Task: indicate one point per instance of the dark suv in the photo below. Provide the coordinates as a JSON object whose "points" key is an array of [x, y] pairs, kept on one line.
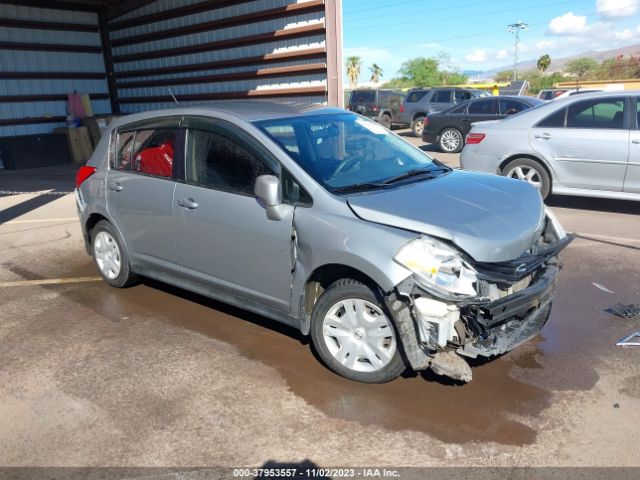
{"points": [[422, 101], [383, 106]]}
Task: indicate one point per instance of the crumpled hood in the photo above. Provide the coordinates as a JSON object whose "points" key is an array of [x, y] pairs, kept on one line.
{"points": [[492, 218]]}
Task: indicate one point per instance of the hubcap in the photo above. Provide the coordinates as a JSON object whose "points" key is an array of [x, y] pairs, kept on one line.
{"points": [[418, 127], [528, 174], [449, 141], [107, 255], [359, 335]]}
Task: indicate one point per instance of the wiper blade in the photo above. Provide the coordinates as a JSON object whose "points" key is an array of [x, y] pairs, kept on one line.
{"points": [[358, 186], [414, 173]]}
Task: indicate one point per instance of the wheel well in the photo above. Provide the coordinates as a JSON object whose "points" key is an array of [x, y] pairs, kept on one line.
{"points": [[418, 114], [93, 219], [530, 157], [322, 277]]}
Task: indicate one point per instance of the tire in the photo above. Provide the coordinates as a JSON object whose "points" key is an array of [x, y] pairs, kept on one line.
{"points": [[451, 140], [385, 121], [359, 339], [110, 256], [416, 127], [531, 171]]}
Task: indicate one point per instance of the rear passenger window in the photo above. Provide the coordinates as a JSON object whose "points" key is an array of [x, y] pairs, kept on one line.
{"points": [[608, 113], [461, 96], [124, 150], [215, 161], [483, 107], [509, 107], [154, 152], [415, 96], [442, 96], [555, 120]]}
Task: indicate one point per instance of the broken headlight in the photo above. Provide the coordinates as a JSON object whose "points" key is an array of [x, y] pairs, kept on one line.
{"points": [[438, 267]]}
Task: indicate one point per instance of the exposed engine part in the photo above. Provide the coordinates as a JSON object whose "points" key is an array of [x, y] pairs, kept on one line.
{"points": [[450, 364], [624, 311], [436, 321]]}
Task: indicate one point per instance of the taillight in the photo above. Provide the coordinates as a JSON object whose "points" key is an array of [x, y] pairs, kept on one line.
{"points": [[84, 173], [425, 122], [475, 138], [401, 107], [348, 107], [374, 108]]}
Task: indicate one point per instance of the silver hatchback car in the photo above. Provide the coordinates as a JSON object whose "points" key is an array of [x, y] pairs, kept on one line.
{"points": [[326, 221], [586, 145]]}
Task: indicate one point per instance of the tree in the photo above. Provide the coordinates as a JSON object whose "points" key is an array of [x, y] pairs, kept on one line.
{"points": [[503, 76], [420, 72], [376, 73], [353, 70], [581, 67], [543, 63], [444, 65]]}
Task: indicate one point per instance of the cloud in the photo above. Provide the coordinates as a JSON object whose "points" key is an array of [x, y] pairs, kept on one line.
{"points": [[501, 54], [545, 44], [478, 55], [568, 24], [616, 8]]}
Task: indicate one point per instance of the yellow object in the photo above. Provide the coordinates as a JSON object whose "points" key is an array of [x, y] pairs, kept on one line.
{"points": [[495, 91]]}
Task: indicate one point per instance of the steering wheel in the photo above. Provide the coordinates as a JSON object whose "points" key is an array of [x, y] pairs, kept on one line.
{"points": [[347, 165]]}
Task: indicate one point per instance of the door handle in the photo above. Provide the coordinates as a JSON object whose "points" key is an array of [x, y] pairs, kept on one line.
{"points": [[188, 203], [115, 186], [544, 136], [636, 141]]}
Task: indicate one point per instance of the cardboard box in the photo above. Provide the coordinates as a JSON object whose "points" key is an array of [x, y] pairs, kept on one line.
{"points": [[97, 126], [79, 141]]}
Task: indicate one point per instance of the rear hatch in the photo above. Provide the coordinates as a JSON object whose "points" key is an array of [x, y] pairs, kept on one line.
{"points": [[364, 102]]}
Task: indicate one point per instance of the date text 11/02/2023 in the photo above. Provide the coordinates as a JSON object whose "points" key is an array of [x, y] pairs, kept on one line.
{"points": [[335, 473]]}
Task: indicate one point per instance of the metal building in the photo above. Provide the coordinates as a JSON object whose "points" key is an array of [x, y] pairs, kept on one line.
{"points": [[133, 55]]}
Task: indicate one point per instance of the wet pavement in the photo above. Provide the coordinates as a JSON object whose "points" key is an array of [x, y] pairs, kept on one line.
{"points": [[154, 375]]}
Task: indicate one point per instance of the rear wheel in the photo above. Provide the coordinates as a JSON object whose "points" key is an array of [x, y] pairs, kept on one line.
{"points": [[110, 256], [451, 140], [417, 126], [385, 121], [530, 171], [354, 335]]}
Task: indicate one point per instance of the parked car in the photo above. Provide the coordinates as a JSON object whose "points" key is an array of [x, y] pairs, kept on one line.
{"points": [[585, 145], [316, 218], [419, 102], [447, 129], [550, 93], [383, 106], [578, 91]]}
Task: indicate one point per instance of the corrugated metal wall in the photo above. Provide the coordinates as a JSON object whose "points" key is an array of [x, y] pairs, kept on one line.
{"points": [[38, 66], [204, 50]]}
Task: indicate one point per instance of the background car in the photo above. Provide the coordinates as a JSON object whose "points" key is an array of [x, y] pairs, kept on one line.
{"points": [[448, 129], [550, 93], [383, 106], [578, 91], [586, 145], [422, 101]]}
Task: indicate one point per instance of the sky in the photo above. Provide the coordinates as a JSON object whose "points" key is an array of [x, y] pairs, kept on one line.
{"points": [[474, 33]]}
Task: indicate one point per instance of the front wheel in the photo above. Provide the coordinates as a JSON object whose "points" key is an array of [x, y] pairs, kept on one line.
{"points": [[451, 140], [354, 335], [530, 171]]}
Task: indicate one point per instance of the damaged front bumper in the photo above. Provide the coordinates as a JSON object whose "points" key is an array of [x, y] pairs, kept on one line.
{"points": [[513, 305]]}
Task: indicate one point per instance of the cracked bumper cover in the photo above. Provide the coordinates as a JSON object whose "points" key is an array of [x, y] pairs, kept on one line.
{"points": [[497, 327]]}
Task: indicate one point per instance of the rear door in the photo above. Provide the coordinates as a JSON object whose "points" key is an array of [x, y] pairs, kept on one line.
{"points": [[632, 178], [485, 108], [587, 143], [140, 188], [441, 100]]}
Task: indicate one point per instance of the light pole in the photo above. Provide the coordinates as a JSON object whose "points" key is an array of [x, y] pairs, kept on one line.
{"points": [[515, 29]]}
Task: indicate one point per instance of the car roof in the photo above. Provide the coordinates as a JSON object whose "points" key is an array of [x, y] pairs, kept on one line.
{"points": [[248, 110]]}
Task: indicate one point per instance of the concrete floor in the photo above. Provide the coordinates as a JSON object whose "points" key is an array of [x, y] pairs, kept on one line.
{"points": [[155, 376]]}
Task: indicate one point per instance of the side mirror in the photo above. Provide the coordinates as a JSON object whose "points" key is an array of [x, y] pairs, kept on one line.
{"points": [[269, 195]]}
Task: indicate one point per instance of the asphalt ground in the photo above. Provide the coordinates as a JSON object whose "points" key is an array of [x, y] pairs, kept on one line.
{"points": [[154, 376]]}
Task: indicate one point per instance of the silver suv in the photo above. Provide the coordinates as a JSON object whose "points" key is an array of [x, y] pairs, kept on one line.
{"points": [[326, 221]]}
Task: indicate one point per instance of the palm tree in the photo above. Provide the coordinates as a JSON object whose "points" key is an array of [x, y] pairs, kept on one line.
{"points": [[376, 73], [543, 63], [353, 70]]}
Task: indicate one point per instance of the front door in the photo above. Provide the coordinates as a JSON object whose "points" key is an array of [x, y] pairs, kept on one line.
{"points": [[224, 237], [587, 143], [140, 188]]}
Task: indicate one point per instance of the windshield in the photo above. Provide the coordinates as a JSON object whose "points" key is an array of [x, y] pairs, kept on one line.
{"points": [[346, 150]]}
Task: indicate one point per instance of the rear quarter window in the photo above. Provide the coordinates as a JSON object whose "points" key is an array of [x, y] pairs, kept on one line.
{"points": [[415, 96]]}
